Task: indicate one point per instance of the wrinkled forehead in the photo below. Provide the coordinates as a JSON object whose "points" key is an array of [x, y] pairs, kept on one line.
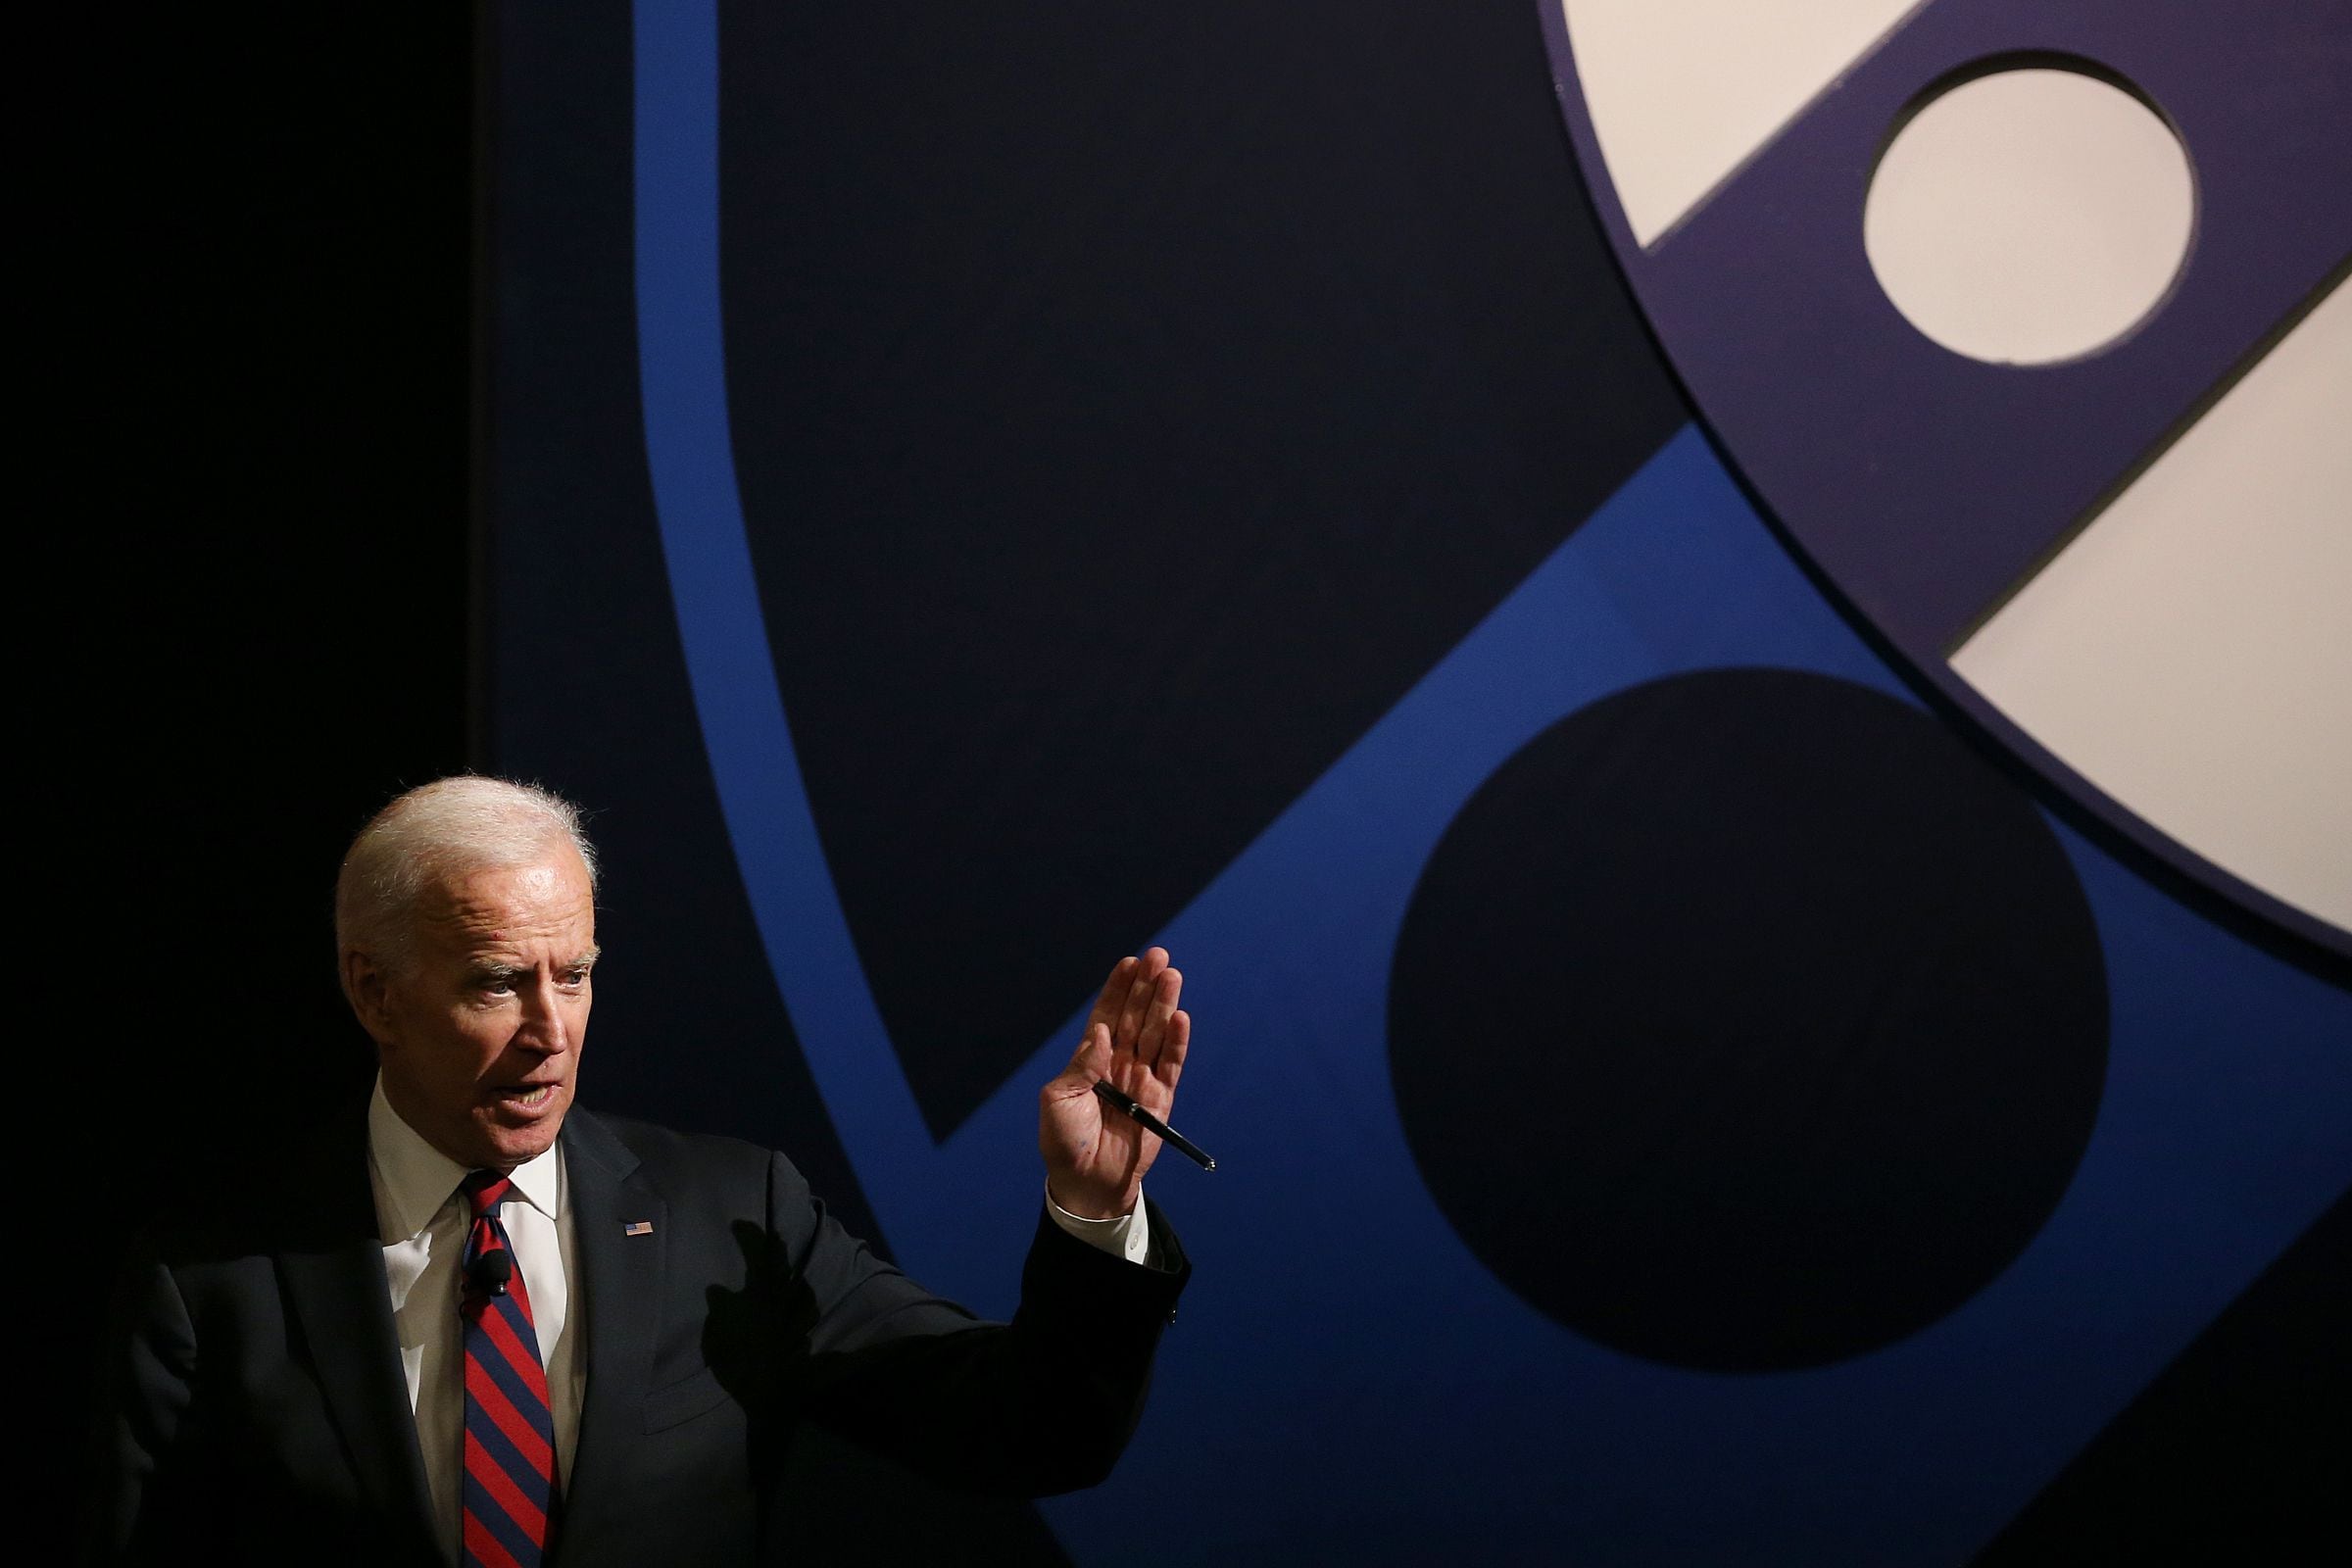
{"points": [[547, 898]]}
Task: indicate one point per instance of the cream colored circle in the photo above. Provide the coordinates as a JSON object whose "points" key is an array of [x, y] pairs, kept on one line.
{"points": [[2030, 216]]}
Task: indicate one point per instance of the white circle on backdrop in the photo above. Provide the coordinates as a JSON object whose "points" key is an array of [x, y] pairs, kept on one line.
{"points": [[2030, 216]]}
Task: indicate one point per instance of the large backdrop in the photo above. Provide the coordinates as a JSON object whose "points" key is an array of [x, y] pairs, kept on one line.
{"points": [[1701, 1072]]}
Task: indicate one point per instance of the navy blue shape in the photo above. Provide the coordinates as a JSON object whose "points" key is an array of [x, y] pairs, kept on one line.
{"points": [[1746, 1020]]}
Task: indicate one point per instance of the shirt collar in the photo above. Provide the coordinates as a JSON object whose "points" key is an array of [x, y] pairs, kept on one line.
{"points": [[414, 1179]]}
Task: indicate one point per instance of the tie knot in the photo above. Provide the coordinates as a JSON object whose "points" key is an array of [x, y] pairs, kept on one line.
{"points": [[485, 1190]]}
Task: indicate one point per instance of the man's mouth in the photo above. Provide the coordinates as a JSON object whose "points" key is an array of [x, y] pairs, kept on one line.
{"points": [[525, 1096]]}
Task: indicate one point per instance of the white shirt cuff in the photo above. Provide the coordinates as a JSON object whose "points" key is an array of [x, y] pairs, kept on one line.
{"points": [[1129, 1236]]}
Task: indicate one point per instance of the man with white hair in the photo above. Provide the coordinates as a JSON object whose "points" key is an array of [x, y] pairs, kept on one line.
{"points": [[483, 1326]]}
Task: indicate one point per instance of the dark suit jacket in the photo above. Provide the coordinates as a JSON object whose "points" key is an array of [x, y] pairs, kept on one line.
{"points": [[257, 1411]]}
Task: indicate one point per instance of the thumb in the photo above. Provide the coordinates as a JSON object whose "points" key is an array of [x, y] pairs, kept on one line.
{"points": [[1091, 1062]]}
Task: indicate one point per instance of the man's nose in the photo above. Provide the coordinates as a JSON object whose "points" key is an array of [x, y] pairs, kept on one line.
{"points": [[544, 1027]]}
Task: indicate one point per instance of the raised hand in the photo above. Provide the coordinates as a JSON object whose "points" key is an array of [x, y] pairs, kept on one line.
{"points": [[1136, 1038]]}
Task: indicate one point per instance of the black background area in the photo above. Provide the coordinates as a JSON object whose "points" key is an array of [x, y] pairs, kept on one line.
{"points": [[260, 618], [255, 611], [1130, 402], [1798, 1008]]}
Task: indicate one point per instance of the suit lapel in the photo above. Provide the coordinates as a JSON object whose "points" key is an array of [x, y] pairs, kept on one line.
{"points": [[623, 1275], [334, 1277]]}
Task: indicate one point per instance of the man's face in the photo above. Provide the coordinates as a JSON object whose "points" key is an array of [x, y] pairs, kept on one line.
{"points": [[479, 1032]]}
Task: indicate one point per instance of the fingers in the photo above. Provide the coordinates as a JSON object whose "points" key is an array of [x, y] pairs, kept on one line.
{"points": [[1168, 1066], [1152, 1039], [1114, 995], [1134, 1012], [1142, 980]]}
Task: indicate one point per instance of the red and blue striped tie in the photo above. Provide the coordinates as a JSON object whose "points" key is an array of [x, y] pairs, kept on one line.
{"points": [[510, 1489]]}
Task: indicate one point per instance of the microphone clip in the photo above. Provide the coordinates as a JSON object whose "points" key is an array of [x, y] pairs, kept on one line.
{"points": [[488, 1273]]}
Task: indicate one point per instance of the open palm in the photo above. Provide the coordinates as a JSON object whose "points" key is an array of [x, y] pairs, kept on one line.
{"points": [[1135, 1038]]}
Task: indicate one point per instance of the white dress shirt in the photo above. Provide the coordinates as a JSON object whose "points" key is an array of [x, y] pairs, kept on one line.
{"points": [[423, 1221]]}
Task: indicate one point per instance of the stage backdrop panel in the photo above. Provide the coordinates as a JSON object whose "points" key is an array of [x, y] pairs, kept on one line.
{"points": [[974, 491]]}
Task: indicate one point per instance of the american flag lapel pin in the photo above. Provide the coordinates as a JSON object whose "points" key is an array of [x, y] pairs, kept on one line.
{"points": [[638, 1227]]}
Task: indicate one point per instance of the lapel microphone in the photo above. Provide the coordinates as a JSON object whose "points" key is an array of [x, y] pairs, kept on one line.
{"points": [[489, 1272]]}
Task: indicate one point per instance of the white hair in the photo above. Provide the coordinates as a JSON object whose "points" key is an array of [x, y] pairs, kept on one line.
{"points": [[435, 831]]}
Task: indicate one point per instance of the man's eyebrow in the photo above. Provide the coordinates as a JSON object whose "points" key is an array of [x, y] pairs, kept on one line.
{"points": [[492, 969]]}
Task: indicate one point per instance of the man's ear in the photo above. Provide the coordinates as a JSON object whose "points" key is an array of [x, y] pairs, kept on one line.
{"points": [[368, 988]]}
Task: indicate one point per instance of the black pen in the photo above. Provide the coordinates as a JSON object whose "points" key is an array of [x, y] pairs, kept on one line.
{"points": [[1153, 1124]]}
